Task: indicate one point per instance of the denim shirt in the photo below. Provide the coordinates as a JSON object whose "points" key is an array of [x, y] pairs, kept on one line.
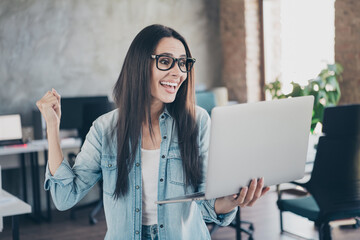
{"points": [[97, 159]]}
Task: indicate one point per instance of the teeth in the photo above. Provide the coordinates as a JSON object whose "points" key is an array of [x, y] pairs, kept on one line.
{"points": [[169, 84]]}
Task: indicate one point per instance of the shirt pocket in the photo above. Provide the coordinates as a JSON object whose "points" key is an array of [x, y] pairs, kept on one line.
{"points": [[109, 172], [176, 173]]}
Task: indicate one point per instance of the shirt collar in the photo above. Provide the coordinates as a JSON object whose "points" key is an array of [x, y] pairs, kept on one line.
{"points": [[166, 112]]}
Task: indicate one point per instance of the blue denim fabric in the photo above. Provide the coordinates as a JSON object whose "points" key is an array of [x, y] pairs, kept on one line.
{"points": [[149, 232], [97, 160]]}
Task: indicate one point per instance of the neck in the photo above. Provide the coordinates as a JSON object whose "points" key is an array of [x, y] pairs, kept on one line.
{"points": [[156, 109]]}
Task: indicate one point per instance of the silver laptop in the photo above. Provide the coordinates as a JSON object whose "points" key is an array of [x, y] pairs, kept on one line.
{"points": [[10, 129], [265, 139]]}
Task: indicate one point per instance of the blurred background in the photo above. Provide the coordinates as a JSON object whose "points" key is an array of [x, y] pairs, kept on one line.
{"points": [[240, 46]]}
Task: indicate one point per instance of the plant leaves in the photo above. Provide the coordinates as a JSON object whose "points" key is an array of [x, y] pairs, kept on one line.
{"points": [[323, 96]]}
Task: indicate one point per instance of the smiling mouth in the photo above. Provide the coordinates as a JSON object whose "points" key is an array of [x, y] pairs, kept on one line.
{"points": [[169, 85]]}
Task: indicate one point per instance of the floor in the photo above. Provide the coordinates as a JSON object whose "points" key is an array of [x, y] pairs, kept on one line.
{"points": [[264, 215]]}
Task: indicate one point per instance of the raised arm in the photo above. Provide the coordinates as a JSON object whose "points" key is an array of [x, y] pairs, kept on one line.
{"points": [[50, 108]]}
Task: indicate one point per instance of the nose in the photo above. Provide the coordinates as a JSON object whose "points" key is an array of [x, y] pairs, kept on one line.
{"points": [[175, 70]]}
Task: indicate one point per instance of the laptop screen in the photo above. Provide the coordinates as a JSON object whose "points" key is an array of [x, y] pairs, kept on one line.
{"points": [[10, 127]]}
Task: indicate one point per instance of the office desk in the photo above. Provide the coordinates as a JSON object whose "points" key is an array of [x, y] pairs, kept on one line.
{"points": [[31, 150], [12, 206]]}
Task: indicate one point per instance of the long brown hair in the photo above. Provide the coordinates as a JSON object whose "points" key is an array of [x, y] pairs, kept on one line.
{"points": [[133, 98]]}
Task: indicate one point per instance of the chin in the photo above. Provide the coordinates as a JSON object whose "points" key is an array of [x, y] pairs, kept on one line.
{"points": [[168, 99]]}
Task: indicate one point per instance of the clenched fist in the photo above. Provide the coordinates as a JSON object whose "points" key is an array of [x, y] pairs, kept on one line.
{"points": [[49, 106]]}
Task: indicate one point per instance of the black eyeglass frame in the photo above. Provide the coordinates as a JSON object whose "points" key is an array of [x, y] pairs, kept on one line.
{"points": [[173, 62]]}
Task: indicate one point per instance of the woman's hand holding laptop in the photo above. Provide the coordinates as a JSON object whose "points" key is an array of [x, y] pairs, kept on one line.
{"points": [[246, 197]]}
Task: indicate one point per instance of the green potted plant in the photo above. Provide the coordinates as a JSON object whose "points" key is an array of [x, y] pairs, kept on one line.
{"points": [[325, 88]]}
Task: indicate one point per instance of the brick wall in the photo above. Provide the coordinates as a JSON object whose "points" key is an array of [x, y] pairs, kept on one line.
{"points": [[347, 48], [239, 28], [232, 30]]}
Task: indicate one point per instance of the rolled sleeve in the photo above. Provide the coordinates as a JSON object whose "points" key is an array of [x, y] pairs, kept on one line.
{"points": [[69, 185], [63, 175], [209, 214]]}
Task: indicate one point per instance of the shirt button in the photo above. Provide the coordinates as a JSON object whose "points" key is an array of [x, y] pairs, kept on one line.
{"points": [[164, 137], [137, 164], [161, 179], [137, 210], [137, 232], [137, 187], [161, 226], [109, 165], [162, 116], [163, 156]]}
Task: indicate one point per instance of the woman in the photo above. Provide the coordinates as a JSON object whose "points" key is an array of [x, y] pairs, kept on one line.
{"points": [[153, 146]]}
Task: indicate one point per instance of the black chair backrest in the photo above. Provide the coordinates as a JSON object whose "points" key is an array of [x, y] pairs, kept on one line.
{"points": [[342, 120], [335, 179]]}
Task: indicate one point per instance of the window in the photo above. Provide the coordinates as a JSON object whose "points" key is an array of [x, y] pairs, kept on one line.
{"points": [[299, 38]]}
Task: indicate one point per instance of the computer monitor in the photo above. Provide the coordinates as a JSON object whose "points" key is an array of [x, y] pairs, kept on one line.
{"points": [[10, 129], [72, 110]]}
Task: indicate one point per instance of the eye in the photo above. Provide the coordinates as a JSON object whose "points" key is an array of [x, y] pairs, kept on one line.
{"points": [[182, 62], [165, 60]]}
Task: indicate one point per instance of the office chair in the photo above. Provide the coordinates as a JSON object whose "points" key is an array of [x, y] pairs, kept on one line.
{"points": [[91, 111], [236, 223], [334, 185], [206, 100]]}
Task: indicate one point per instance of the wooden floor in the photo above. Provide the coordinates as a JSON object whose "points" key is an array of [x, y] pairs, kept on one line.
{"points": [[264, 215]]}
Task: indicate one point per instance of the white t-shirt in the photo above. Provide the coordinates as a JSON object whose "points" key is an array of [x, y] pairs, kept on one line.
{"points": [[150, 160]]}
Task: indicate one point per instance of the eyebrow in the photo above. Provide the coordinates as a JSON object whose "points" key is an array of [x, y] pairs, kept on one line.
{"points": [[171, 55]]}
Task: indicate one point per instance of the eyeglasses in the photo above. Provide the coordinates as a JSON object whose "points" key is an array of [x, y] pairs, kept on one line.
{"points": [[165, 62]]}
